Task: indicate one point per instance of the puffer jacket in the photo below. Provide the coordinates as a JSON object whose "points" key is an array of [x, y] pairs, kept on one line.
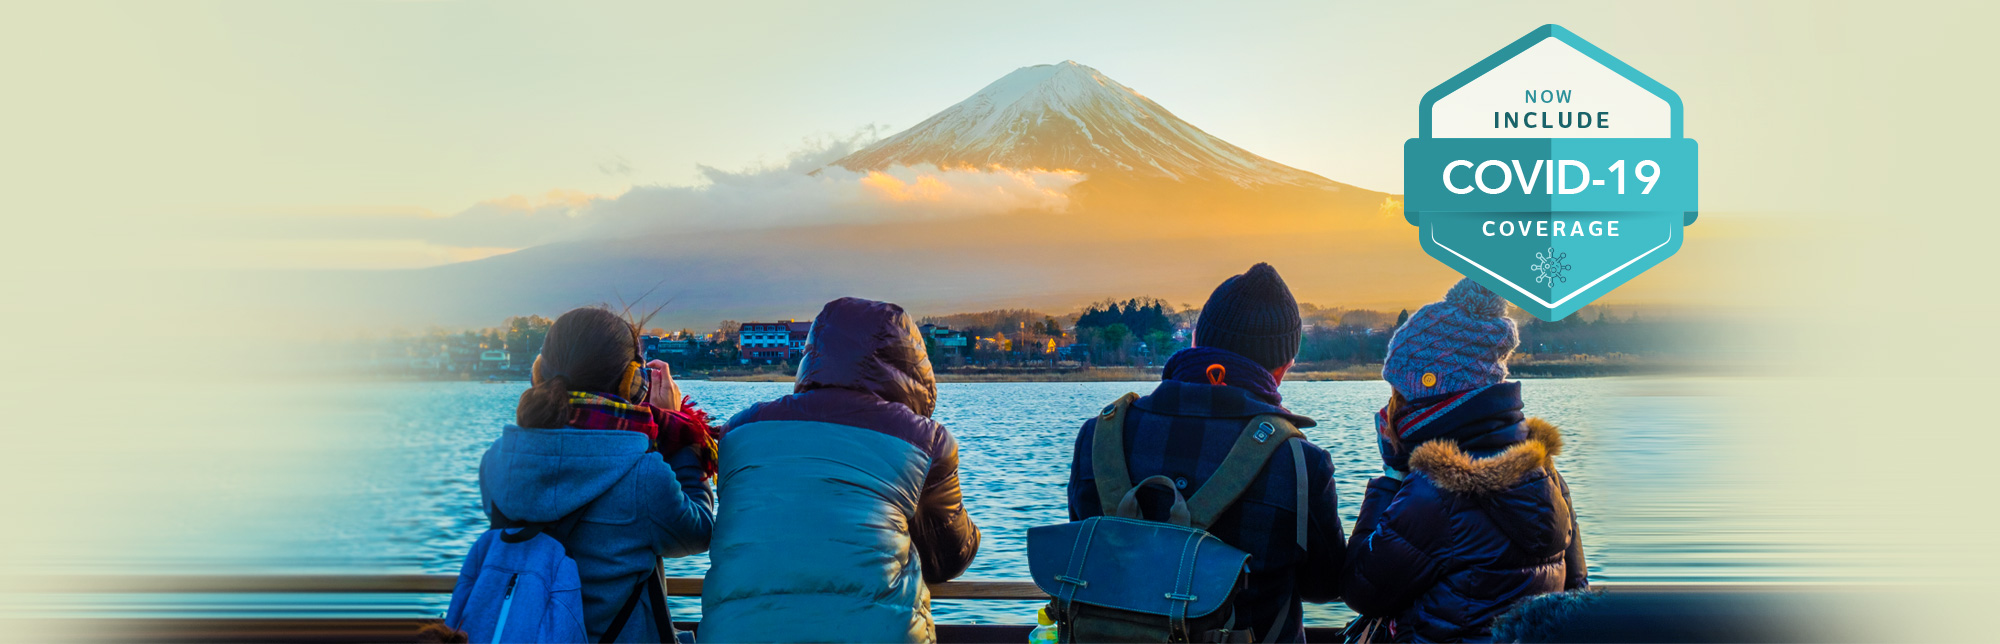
{"points": [[1481, 520], [636, 507], [841, 500]]}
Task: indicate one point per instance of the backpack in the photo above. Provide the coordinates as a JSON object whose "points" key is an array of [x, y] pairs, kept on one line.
{"points": [[1121, 578], [519, 584]]}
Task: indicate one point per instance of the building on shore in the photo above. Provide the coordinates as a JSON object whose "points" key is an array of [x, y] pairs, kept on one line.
{"points": [[943, 337], [771, 342], [670, 346]]}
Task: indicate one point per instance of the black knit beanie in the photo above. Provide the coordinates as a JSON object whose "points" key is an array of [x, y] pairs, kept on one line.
{"points": [[1253, 315]]}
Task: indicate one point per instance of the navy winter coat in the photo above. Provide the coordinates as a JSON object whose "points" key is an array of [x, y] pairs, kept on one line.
{"points": [[1183, 430], [1481, 521]]}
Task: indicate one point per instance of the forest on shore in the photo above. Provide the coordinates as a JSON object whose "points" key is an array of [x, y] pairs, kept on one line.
{"points": [[1108, 340]]}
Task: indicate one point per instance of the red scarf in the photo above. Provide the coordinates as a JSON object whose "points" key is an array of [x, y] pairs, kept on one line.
{"points": [[666, 431]]}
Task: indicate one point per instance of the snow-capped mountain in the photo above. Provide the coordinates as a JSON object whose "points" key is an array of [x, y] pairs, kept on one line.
{"points": [[1068, 116]]}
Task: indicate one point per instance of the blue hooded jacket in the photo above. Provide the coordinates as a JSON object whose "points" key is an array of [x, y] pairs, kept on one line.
{"points": [[1480, 521], [842, 499], [637, 507]]}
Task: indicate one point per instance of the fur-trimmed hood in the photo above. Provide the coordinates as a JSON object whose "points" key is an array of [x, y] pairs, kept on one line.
{"points": [[1455, 471], [1482, 520]]}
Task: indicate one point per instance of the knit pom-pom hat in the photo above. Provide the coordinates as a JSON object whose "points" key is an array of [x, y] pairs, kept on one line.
{"points": [[1458, 344]]}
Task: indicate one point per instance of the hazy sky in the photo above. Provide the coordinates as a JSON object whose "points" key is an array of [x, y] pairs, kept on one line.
{"points": [[142, 112], [121, 125]]}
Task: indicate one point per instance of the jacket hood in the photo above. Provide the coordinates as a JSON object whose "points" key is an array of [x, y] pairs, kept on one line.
{"points": [[868, 346], [1543, 618], [1517, 487], [1455, 471], [541, 475]]}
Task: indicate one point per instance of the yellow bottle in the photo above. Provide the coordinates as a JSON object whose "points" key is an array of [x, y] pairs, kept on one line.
{"points": [[1045, 632]]}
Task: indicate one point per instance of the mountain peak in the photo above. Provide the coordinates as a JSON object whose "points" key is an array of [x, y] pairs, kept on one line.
{"points": [[1069, 116]]}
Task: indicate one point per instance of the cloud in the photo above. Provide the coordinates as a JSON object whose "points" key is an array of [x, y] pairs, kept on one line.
{"points": [[804, 190], [616, 166], [801, 190]]}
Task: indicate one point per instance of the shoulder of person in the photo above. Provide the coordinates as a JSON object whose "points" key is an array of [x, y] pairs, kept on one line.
{"points": [[1422, 512], [1318, 460], [745, 417]]}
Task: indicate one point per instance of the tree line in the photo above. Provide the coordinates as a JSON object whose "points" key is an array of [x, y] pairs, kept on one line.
{"points": [[1135, 331]]}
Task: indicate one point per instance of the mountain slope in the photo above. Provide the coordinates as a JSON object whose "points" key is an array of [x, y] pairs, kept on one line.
{"points": [[1166, 210], [1068, 116]]}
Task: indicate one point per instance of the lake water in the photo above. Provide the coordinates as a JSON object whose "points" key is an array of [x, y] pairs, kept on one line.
{"points": [[1652, 503], [390, 472]]}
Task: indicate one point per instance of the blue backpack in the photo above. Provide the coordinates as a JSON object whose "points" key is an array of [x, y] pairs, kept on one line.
{"points": [[518, 584], [1122, 578]]}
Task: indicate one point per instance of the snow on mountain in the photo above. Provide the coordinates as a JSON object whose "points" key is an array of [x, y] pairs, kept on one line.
{"points": [[1068, 116]]}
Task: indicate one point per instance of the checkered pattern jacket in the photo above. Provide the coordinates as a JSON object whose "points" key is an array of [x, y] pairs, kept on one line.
{"points": [[1183, 431]]}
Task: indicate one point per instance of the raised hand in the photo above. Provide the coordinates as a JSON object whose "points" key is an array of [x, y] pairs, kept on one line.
{"points": [[664, 394]]}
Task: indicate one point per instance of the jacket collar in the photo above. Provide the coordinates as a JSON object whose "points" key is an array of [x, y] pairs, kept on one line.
{"points": [[1247, 390], [1482, 421], [1204, 365]]}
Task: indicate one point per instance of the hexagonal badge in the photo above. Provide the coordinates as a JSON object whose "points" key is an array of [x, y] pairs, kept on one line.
{"points": [[1550, 172]]}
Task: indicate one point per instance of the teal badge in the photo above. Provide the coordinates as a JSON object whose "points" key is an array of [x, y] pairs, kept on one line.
{"points": [[1550, 173]]}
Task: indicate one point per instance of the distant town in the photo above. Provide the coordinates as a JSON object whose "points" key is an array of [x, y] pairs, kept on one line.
{"points": [[1112, 339]]}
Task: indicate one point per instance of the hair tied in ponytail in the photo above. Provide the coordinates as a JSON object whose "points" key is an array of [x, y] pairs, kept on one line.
{"points": [[544, 405], [587, 349]]}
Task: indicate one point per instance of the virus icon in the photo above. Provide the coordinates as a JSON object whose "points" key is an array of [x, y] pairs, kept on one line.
{"points": [[1550, 267]]}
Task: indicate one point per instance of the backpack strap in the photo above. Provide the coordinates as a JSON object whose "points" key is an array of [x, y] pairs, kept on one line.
{"points": [[559, 528], [1299, 475], [1254, 447], [1107, 453], [651, 587], [1128, 508]]}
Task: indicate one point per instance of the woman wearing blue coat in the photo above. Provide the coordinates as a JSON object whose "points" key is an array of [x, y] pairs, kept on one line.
{"points": [[598, 439], [1470, 515]]}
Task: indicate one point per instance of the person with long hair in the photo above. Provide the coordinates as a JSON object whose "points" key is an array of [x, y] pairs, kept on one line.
{"points": [[1470, 515], [605, 449]]}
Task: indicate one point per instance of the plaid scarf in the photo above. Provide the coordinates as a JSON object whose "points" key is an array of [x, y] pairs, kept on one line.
{"points": [[666, 432]]}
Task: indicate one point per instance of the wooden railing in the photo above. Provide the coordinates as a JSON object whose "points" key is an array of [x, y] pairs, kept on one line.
{"points": [[366, 629], [394, 584], [676, 586], [320, 629]]}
